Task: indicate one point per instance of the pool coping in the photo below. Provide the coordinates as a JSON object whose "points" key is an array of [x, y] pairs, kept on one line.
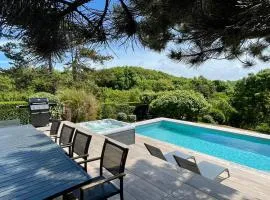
{"points": [[226, 129]]}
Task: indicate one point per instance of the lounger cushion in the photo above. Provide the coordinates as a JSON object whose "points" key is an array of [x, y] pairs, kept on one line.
{"points": [[210, 170]]}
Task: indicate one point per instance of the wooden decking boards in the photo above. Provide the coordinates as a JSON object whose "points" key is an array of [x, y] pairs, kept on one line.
{"points": [[149, 178]]}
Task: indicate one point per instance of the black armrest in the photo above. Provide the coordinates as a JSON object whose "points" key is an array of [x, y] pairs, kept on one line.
{"points": [[89, 160], [77, 157], [54, 136], [100, 182], [65, 145]]}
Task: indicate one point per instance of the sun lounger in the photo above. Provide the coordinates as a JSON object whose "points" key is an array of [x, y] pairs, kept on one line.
{"points": [[204, 168]]}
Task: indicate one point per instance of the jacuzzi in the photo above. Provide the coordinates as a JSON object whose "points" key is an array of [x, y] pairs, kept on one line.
{"points": [[117, 130]]}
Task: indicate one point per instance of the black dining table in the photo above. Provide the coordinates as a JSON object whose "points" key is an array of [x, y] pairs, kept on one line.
{"points": [[32, 166]]}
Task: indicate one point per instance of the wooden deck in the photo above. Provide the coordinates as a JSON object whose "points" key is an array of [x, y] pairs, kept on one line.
{"points": [[149, 178]]}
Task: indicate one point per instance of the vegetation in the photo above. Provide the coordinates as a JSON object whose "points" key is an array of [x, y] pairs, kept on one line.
{"points": [[180, 104], [252, 101], [9, 110], [134, 93], [78, 105]]}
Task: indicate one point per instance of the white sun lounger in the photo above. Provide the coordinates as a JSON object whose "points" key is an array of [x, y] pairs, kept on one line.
{"points": [[204, 168]]}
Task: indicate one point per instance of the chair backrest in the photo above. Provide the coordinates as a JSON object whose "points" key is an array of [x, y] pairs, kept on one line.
{"points": [[13, 122], [81, 143], [66, 134], [113, 157], [55, 126], [187, 164], [154, 151]]}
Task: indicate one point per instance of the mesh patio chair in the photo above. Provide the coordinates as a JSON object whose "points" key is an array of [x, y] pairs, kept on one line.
{"points": [[113, 159], [65, 138], [54, 128], [154, 151], [6, 123], [204, 168], [80, 146]]}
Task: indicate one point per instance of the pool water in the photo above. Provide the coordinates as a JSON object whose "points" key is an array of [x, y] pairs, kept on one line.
{"points": [[242, 149]]}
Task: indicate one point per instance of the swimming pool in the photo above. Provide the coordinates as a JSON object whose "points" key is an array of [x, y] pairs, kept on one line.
{"points": [[242, 149]]}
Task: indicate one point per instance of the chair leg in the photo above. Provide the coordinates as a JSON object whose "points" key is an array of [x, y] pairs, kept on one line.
{"points": [[69, 151], [85, 166], [121, 189]]}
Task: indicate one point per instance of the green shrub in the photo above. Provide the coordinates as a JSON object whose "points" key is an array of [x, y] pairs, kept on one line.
{"points": [[132, 118], [218, 116], [15, 95], [263, 127], [9, 110], [109, 95], [51, 97], [208, 119], [110, 110], [6, 83], [148, 97], [107, 110], [78, 105], [222, 103], [180, 104], [122, 116]]}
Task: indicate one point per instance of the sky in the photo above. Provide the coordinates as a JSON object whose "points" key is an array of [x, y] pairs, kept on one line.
{"points": [[146, 58]]}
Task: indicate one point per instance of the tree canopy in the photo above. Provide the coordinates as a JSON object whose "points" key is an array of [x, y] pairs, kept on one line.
{"points": [[197, 29]]}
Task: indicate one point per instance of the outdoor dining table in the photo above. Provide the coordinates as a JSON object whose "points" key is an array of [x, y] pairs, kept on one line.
{"points": [[32, 166]]}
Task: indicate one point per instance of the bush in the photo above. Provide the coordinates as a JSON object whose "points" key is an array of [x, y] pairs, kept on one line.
{"points": [[52, 98], [107, 110], [78, 105], [110, 110], [182, 104], [14, 96], [148, 97], [116, 96], [222, 103], [132, 118], [122, 116], [208, 119], [8, 111], [263, 127], [6, 83], [218, 116]]}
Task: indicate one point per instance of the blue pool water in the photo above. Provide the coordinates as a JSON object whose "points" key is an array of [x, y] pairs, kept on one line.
{"points": [[242, 149]]}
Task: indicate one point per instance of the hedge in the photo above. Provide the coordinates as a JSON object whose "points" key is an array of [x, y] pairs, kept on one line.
{"points": [[9, 110], [110, 110]]}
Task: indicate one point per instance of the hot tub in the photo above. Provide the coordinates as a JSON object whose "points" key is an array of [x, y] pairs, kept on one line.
{"points": [[117, 130]]}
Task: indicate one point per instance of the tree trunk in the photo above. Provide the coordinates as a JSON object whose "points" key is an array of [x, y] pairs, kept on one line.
{"points": [[50, 68], [74, 66]]}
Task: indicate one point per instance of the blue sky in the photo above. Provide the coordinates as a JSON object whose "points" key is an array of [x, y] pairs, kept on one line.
{"points": [[139, 56]]}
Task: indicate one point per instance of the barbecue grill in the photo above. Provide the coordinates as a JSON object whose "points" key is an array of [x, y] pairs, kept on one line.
{"points": [[39, 111]]}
